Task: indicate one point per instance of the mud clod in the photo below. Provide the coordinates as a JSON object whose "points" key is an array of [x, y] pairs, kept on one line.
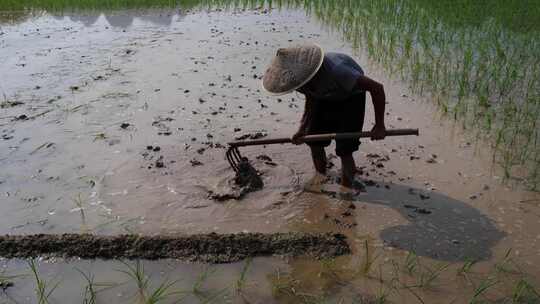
{"points": [[5, 285], [247, 177], [417, 209], [256, 135], [207, 248], [195, 163]]}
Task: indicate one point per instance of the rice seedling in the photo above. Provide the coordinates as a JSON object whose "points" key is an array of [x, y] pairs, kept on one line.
{"points": [[79, 202], [466, 267], [368, 261], [484, 286], [524, 292], [411, 262], [162, 292], [464, 54], [382, 295], [429, 275], [508, 265], [203, 276], [283, 284], [142, 281], [137, 274], [415, 294], [206, 296], [240, 284], [90, 294], [92, 288], [43, 289]]}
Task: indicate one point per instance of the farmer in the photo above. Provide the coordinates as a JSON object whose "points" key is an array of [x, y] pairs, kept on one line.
{"points": [[335, 88]]}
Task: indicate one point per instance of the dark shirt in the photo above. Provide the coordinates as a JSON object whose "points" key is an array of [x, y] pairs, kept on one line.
{"points": [[336, 79]]}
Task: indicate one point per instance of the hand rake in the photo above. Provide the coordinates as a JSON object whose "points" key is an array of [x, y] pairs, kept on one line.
{"points": [[235, 158]]}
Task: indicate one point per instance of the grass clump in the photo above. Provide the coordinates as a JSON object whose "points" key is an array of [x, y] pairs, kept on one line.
{"points": [[240, 284], [43, 288], [162, 292], [92, 287]]}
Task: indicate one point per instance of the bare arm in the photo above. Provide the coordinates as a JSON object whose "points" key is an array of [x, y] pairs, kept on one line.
{"points": [[304, 122], [376, 90]]}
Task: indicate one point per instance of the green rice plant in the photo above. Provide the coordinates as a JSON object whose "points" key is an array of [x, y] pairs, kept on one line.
{"points": [[92, 288], [382, 295], [476, 57], [203, 295], [466, 267], [203, 276], [287, 287], [415, 294], [163, 292], [142, 280], [411, 262], [508, 265], [90, 293], [328, 269], [213, 297], [472, 63], [240, 284], [79, 202], [368, 260], [524, 292], [283, 284], [137, 274], [428, 276], [43, 289], [484, 286]]}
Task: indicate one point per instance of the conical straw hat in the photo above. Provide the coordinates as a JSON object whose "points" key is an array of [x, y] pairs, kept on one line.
{"points": [[292, 67]]}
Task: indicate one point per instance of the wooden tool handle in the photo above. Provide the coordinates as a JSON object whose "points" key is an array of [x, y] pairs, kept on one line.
{"points": [[320, 137]]}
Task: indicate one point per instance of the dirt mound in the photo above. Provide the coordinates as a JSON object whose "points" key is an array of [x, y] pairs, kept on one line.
{"points": [[207, 248]]}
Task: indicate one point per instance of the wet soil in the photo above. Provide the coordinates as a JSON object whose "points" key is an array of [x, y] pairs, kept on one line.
{"points": [[247, 179], [209, 248], [120, 140]]}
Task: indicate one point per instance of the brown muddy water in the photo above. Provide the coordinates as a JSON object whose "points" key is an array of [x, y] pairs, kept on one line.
{"points": [[116, 123]]}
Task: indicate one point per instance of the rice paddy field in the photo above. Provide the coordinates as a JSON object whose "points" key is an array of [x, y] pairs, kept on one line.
{"points": [[114, 116], [478, 60]]}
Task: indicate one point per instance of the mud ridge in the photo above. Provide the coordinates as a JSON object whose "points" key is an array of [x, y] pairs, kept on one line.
{"points": [[204, 248]]}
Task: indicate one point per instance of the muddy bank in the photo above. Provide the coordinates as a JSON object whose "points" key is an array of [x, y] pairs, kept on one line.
{"points": [[207, 248]]}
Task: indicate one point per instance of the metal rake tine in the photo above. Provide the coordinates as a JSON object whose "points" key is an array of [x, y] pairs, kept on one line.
{"points": [[237, 155], [230, 159]]}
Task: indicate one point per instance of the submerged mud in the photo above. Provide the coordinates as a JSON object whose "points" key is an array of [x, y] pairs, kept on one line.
{"points": [[246, 180], [207, 248]]}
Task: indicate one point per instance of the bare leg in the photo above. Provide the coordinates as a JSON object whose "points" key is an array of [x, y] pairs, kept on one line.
{"points": [[348, 169], [319, 159]]}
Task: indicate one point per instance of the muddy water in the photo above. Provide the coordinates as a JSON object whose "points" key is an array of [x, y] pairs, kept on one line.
{"points": [[125, 119]]}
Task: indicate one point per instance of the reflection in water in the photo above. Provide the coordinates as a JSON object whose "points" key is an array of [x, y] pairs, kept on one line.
{"points": [[86, 20], [122, 19]]}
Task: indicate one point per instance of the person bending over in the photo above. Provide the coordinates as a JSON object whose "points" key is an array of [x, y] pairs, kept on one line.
{"points": [[335, 87]]}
